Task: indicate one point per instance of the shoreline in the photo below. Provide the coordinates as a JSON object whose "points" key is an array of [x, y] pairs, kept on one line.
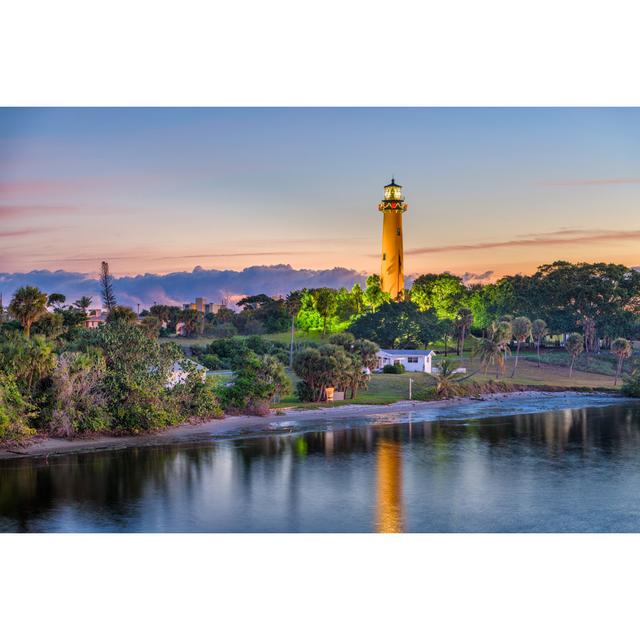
{"points": [[235, 426]]}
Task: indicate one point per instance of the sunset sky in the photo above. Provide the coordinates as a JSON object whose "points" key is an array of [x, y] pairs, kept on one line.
{"points": [[161, 190]]}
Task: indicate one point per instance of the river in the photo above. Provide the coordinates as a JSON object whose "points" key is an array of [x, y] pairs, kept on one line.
{"points": [[566, 464]]}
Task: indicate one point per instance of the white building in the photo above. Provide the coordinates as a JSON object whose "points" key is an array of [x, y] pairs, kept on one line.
{"points": [[411, 359], [178, 374]]}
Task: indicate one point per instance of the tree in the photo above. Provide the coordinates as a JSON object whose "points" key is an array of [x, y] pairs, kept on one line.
{"points": [[327, 366], [464, 320], [326, 304], [106, 285], [521, 330], [493, 348], [258, 380], [357, 295], [293, 304], [119, 313], [192, 320], [151, 326], [373, 295], [442, 292], [398, 325], [83, 303], [538, 332], [575, 346], [28, 304], [137, 369], [447, 329], [56, 300], [622, 349]]}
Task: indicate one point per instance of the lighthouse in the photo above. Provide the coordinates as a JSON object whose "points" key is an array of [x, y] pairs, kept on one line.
{"points": [[392, 271]]}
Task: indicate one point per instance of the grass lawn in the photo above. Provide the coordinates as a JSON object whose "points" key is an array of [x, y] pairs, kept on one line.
{"points": [[384, 388], [554, 374]]}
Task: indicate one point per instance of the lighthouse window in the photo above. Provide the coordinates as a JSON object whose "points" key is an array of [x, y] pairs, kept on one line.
{"points": [[384, 256], [399, 231]]}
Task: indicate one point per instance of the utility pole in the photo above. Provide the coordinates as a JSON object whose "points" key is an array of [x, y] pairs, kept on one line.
{"points": [[410, 387]]}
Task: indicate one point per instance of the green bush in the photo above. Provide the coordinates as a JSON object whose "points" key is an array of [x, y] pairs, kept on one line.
{"points": [[211, 361], [258, 381], [78, 402], [631, 387], [15, 412], [393, 368]]}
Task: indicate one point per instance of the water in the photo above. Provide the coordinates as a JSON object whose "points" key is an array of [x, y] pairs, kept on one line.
{"points": [[567, 469]]}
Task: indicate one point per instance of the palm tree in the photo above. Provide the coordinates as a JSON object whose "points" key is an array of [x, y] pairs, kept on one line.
{"points": [[447, 379], [521, 330], [83, 303], [495, 346], [623, 349], [191, 319], [538, 332], [575, 346], [464, 320], [293, 304], [28, 304]]}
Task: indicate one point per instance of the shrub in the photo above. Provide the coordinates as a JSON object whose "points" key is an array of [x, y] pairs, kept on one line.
{"points": [[631, 387], [393, 368], [136, 372], [78, 400], [195, 398], [304, 392], [258, 380], [15, 412], [211, 361], [224, 330]]}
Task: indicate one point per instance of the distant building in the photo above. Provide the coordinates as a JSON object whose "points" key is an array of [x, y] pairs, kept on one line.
{"points": [[411, 359], [95, 317], [203, 306]]}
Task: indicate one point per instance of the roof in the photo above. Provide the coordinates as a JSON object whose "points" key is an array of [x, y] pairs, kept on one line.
{"points": [[407, 352], [393, 184]]}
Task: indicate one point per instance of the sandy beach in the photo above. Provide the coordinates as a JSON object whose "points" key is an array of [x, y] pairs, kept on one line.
{"points": [[341, 416]]}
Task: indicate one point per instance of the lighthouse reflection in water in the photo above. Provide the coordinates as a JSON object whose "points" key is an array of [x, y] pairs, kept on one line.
{"points": [[562, 470]]}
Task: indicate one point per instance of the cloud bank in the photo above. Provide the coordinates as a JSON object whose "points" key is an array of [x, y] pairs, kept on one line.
{"points": [[176, 288]]}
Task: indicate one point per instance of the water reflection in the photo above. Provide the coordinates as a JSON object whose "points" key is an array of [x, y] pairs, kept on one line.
{"points": [[569, 470], [389, 487]]}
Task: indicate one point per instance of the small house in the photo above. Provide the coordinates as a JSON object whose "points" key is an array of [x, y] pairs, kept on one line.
{"points": [[411, 359], [180, 371]]}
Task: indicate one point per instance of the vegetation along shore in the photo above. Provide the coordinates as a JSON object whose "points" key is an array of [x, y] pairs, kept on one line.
{"points": [[566, 327]]}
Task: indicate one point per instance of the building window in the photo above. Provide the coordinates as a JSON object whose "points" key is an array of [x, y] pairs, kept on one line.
{"points": [[399, 231], [413, 359], [384, 256]]}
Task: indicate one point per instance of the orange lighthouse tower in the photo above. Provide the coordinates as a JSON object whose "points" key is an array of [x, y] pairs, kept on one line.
{"points": [[392, 271]]}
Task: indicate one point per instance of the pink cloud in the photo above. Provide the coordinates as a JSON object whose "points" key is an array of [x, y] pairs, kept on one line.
{"points": [[591, 182], [17, 210], [20, 232], [548, 239]]}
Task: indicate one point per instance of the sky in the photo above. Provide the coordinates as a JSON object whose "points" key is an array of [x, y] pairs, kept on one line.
{"points": [[491, 191]]}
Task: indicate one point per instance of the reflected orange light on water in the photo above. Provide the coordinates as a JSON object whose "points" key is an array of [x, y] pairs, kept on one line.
{"points": [[389, 487]]}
